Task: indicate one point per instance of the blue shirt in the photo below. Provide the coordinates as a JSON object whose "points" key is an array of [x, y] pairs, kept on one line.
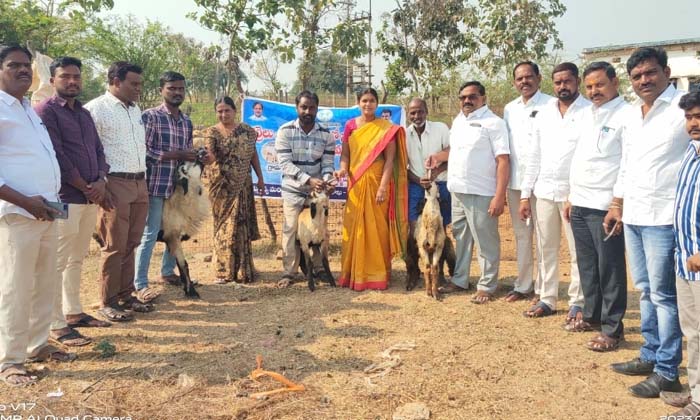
{"points": [[164, 133], [686, 211]]}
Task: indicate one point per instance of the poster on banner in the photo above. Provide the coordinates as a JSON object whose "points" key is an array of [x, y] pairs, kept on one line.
{"points": [[267, 116]]}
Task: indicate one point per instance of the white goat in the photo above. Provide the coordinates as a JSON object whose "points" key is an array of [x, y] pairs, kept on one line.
{"points": [[312, 235], [183, 214], [430, 238]]}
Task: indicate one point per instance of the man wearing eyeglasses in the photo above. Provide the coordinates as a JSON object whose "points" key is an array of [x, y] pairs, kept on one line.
{"points": [[478, 171], [594, 173], [557, 130]]}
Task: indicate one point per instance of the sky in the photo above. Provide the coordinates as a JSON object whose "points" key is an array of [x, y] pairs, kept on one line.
{"points": [[586, 23]]}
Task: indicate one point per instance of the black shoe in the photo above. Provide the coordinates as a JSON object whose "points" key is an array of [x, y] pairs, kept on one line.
{"points": [[653, 385], [634, 367]]}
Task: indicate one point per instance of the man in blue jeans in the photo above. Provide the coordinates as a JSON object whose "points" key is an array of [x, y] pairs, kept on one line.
{"points": [[654, 143], [168, 141]]}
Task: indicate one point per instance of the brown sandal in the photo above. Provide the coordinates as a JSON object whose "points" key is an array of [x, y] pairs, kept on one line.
{"points": [[146, 295], [481, 297], [578, 325], [452, 288], [72, 338], [538, 310], [88, 321], [50, 353], [16, 375], [514, 296], [603, 343]]}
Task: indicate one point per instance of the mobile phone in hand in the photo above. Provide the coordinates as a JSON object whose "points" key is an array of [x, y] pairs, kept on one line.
{"points": [[61, 207]]}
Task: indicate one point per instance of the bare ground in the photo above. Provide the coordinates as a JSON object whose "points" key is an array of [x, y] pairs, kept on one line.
{"points": [[470, 361]]}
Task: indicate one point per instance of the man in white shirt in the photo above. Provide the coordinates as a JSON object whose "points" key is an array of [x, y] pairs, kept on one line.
{"points": [[519, 116], [425, 138], [594, 171], [556, 131], [30, 178], [121, 129], [654, 143], [477, 175]]}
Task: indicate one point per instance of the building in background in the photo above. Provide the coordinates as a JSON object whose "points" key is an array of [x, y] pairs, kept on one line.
{"points": [[683, 59]]}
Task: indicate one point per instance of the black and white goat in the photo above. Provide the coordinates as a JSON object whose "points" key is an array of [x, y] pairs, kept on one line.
{"points": [[312, 236], [430, 238], [183, 214]]}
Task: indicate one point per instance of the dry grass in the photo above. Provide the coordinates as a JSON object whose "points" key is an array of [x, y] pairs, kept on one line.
{"points": [[470, 361]]}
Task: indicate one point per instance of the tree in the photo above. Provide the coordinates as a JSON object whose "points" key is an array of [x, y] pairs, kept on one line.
{"points": [[427, 39], [327, 74], [266, 68], [317, 25], [52, 27], [248, 25]]}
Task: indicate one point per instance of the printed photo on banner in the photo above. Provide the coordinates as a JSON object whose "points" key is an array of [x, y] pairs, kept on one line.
{"points": [[267, 116]]}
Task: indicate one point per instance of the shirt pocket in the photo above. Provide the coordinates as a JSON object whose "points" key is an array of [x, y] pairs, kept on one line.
{"points": [[608, 142]]}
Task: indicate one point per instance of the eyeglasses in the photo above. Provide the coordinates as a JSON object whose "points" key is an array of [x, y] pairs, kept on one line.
{"points": [[472, 97]]}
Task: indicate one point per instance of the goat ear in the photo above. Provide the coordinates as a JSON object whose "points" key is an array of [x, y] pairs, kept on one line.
{"points": [[312, 206], [184, 182]]}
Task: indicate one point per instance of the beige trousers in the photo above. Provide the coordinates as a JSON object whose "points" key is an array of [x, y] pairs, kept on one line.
{"points": [[27, 277], [74, 236], [549, 223], [523, 233], [689, 315]]}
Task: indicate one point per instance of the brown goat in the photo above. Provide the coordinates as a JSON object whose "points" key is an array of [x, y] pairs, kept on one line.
{"points": [[430, 238]]}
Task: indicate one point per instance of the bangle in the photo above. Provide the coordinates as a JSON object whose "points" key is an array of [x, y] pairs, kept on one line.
{"points": [[524, 199], [614, 206]]}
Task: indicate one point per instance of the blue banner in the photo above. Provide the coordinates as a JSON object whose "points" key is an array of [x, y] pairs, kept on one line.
{"points": [[267, 116]]}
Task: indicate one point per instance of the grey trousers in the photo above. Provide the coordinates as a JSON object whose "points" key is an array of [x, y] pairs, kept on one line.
{"points": [[689, 314], [471, 224]]}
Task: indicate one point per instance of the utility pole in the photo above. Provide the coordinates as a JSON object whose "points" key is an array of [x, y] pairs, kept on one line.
{"points": [[369, 46]]}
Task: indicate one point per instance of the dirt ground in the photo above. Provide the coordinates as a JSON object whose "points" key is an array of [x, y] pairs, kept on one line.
{"points": [[192, 358]]}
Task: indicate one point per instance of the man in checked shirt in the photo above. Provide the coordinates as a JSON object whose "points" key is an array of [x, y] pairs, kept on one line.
{"points": [[305, 151], [168, 141]]}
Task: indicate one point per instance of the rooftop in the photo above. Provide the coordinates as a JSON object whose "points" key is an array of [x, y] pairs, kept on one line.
{"points": [[641, 44]]}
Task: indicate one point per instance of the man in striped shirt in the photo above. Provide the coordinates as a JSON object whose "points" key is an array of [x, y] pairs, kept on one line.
{"points": [[168, 141], [305, 151], [686, 223]]}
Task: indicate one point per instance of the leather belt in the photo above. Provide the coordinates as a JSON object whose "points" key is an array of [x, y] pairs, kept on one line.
{"points": [[129, 175]]}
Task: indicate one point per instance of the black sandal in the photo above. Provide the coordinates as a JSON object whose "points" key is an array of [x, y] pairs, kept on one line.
{"points": [[114, 315]]}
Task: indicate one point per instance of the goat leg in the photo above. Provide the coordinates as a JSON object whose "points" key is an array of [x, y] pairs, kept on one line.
{"points": [[434, 282], [302, 259], [310, 268], [327, 267], [175, 248], [412, 268], [448, 255]]}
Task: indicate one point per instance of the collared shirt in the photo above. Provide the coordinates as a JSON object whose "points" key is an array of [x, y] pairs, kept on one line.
{"points": [[76, 143], [475, 142], [596, 161], [519, 117], [302, 156], [653, 149], [553, 144], [121, 131], [686, 211], [28, 163], [164, 133], [435, 138]]}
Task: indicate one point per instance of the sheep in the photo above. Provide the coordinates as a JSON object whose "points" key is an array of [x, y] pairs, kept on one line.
{"points": [[430, 238], [183, 214], [313, 238]]}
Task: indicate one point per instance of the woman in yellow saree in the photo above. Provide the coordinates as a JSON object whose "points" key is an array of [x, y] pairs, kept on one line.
{"points": [[375, 223]]}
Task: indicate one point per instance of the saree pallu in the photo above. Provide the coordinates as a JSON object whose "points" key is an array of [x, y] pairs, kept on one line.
{"points": [[373, 234]]}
